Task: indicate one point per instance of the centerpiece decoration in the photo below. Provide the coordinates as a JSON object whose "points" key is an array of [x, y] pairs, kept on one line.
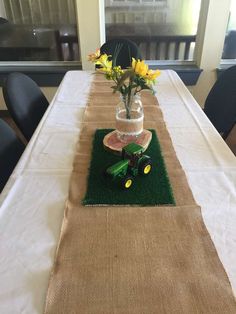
{"points": [[129, 83]]}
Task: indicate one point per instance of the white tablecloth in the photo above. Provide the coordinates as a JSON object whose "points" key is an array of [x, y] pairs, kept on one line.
{"points": [[32, 202]]}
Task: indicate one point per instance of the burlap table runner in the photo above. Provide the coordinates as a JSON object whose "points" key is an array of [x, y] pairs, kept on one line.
{"points": [[134, 259]]}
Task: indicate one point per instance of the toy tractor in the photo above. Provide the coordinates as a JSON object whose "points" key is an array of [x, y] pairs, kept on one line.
{"points": [[133, 162]]}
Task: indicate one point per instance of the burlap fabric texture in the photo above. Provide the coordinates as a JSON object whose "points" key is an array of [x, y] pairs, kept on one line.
{"points": [[134, 260]]}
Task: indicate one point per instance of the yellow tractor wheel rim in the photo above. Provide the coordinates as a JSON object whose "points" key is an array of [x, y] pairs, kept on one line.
{"points": [[147, 169], [128, 183]]}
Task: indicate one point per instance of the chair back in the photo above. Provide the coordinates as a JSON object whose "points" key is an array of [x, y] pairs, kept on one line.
{"points": [[220, 105], [25, 102], [229, 50], [125, 49], [11, 149], [3, 20]]}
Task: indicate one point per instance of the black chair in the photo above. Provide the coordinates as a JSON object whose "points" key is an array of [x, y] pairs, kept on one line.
{"points": [[124, 49], [11, 149], [220, 105], [25, 102], [3, 20], [229, 50]]}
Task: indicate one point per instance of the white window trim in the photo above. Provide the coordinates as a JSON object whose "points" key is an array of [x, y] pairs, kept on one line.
{"points": [[212, 27], [91, 28], [210, 37]]}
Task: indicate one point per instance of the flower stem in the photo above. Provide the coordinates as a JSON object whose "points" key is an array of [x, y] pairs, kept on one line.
{"points": [[128, 105]]}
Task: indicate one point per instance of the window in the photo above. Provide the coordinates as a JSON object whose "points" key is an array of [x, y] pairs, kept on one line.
{"points": [[229, 50], [163, 29], [38, 30]]}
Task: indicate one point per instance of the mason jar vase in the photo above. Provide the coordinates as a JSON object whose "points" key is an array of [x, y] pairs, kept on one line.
{"points": [[129, 118]]}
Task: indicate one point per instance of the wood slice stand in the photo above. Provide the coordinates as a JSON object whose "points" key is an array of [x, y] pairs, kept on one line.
{"points": [[113, 144]]}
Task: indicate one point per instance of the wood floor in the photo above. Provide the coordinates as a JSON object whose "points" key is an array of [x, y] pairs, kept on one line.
{"points": [[230, 141]]}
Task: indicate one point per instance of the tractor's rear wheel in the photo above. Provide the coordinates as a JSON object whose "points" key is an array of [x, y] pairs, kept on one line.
{"points": [[127, 182], [145, 167]]}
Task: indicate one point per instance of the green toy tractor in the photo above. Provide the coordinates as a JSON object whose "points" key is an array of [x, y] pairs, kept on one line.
{"points": [[133, 162]]}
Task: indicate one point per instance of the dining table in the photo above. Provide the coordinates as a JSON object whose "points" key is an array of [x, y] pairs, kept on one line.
{"points": [[32, 204]]}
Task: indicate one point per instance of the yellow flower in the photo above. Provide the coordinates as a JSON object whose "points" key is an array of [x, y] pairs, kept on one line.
{"points": [[94, 56], [135, 78], [152, 75], [107, 71], [104, 62], [117, 70], [139, 67]]}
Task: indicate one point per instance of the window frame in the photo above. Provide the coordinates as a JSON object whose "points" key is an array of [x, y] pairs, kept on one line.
{"points": [[92, 36]]}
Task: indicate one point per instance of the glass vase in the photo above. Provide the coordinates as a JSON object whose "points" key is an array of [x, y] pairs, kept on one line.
{"points": [[129, 118]]}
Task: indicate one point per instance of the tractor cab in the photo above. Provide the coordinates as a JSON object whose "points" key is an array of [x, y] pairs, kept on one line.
{"points": [[133, 152], [133, 162]]}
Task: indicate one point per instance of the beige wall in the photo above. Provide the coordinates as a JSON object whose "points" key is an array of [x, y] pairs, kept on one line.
{"points": [[49, 92], [2, 103], [203, 86]]}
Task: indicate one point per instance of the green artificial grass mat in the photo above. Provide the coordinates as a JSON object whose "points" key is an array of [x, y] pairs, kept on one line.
{"points": [[152, 189]]}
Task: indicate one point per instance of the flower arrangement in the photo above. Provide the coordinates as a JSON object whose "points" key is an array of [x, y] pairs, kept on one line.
{"points": [[129, 81]]}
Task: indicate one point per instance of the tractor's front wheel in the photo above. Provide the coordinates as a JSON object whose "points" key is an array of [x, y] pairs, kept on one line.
{"points": [[145, 167], [127, 182]]}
